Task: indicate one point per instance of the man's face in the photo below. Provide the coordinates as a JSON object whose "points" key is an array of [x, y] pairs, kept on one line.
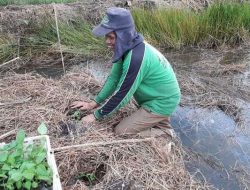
{"points": [[110, 39]]}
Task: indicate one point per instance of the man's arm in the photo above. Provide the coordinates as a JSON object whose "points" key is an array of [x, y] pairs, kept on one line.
{"points": [[110, 84], [130, 80]]}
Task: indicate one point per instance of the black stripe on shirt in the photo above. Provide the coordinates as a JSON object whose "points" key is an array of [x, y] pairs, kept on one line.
{"points": [[133, 71]]}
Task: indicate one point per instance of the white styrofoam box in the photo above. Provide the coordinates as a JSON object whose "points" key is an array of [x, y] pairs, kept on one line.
{"points": [[50, 157]]}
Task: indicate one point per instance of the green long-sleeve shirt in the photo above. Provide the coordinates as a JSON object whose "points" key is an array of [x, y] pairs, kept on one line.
{"points": [[145, 74]]}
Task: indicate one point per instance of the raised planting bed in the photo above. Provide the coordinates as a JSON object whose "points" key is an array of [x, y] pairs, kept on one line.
{"points": [[28, 163]]}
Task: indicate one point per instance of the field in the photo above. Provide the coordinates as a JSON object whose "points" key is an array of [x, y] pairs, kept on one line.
{"points": [[40, 35]]}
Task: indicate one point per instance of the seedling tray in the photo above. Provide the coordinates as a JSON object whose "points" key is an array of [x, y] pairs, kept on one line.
{"points": [[50, 156]]}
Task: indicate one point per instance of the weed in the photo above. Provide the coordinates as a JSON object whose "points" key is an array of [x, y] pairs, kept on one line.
{"points": [[76, 115], [90, 177]]}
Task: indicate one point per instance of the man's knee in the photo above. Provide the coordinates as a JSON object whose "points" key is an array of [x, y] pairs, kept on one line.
{"points": [[124, 130], [118, 131]]}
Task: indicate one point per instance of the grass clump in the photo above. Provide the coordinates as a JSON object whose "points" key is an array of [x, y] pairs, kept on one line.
{"points": [[228, 22], [8, 48], [221, 23], [27, 2], [173, 28], [41, 38], [75, 35]]}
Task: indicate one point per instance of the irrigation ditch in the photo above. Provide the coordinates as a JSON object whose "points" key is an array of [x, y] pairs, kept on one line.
{"points": [[212, 121]]}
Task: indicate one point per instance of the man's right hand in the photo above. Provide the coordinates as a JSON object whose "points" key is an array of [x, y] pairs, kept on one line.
{"points": [[84, 105]]}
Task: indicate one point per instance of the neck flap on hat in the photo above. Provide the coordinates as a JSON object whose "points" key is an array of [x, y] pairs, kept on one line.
{"points": [[126, 39]]}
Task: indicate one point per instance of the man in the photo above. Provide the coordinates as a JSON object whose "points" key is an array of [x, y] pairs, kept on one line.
{"points": [[138, 70]]}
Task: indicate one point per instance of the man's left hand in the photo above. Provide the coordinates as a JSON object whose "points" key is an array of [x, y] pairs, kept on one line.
{"points": [[89, 119]]}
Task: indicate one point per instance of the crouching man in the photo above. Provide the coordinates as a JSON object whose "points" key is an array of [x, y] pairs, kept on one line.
{"points": [[139, 70]]}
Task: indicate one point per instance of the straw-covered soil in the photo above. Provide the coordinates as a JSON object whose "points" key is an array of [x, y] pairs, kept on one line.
{"points": [[26, 100]]}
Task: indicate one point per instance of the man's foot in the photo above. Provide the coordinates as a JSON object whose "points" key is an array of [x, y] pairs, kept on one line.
{"points": [[164, 145], [171, 133]]}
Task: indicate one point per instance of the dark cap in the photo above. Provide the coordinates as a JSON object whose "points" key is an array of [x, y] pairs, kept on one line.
{"points": [[115, 19]]}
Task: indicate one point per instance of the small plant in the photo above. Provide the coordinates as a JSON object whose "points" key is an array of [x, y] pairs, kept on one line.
{"points": [[90, 177], [76, 115], [23, 166]]}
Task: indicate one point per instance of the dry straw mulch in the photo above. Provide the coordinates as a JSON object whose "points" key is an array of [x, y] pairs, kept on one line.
{"points": [[213, 83], [26, 100]]}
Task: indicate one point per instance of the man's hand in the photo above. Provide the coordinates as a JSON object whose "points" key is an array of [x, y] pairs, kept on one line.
{"points": [[84, 105], [88, 119]]}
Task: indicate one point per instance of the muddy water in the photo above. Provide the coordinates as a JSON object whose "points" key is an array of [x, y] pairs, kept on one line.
{"points": [[215, 147], [218, 150]]}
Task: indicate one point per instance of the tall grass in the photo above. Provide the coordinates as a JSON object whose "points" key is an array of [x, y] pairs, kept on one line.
{"points": [[75, 35], [221, 23], [26, 2], [228, 23], [8, 48], [173, 28]]}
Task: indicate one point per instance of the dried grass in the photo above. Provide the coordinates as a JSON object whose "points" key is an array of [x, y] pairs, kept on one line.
{"points": [[216, 85], [137, 166], [27, 100], [24, 16]]}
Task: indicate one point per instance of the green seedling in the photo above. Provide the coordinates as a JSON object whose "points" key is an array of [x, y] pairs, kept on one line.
{"points": [[42, 129], [76, 115], [89, 176], [23, 168]]}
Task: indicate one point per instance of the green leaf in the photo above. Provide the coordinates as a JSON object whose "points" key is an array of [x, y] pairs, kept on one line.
{"points": [[27, 185], [43, 173], [19, 148], [11, 160], [3, 176], [16, 176], [42, 129], [11, 172], [44, 178], [27, 165], [18, 153], [20, 137], [6, 167], [10, 185], [34, 184], [40, 157], [28, 174], [19, 184], [41, 170], [91, 176], [10, 146], [36, 150], [3, 156]]}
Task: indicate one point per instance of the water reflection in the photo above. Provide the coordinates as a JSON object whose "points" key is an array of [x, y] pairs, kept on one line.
{"points": [[216, 148]]}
